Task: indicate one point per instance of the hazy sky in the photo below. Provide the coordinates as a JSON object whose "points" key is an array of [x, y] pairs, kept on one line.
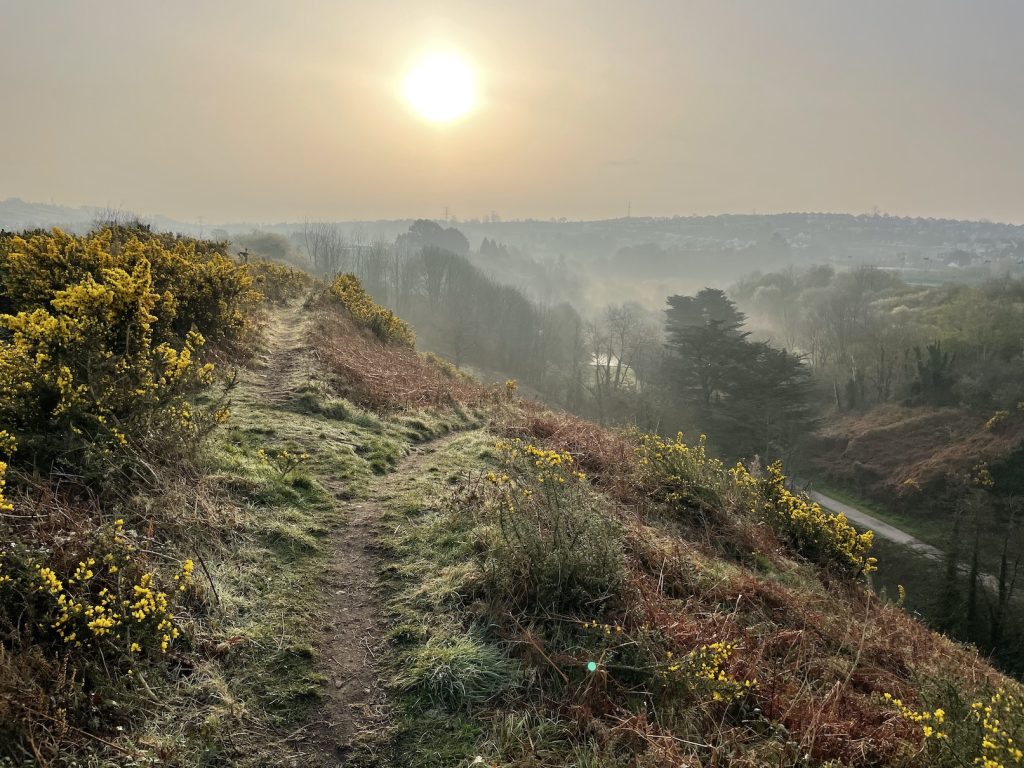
{"points": [[258, 110]]}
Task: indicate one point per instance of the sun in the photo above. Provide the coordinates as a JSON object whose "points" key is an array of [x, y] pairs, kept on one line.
{"points": [[441, 88]]}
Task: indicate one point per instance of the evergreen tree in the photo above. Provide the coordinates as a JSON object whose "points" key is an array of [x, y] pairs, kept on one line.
{"points": [[749, 397]]}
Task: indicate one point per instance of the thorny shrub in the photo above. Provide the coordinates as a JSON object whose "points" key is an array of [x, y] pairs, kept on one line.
{"points": [[826, 539], [98, 601], [988, 732], [283, 461], [278, 283], [551, 545], [104, 341], [100, 344], [384, 323], [684, 476]]}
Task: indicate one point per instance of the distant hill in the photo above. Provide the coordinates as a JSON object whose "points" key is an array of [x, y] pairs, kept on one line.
{"points": [[17, 214]]}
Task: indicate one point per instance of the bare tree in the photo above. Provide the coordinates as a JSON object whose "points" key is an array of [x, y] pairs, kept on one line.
{"points": [[325, 247]]}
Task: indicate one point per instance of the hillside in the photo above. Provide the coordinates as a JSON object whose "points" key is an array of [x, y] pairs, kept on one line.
{"points": [[899, 452], [351, 553]]}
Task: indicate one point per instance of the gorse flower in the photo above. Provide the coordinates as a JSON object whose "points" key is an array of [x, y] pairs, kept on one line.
{"points": [[384, 323], [118, 610], [990, 734], [684, 476], [285, 462], [549, 536], [102, 340]]}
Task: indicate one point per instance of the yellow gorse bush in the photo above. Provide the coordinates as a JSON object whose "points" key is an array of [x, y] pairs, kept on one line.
{"points": [[384, 323], [1001, 721], [703, 672], [105, 601], [989, 733], [684, 476], [284, 461], [7, 446], [101, 337], [680, 474], [277, 283], [996, 419], [823, 537], [551, 546]]}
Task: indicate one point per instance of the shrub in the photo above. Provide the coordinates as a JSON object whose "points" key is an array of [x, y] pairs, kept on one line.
{"points": [[384, 323], [682, 475], [197, 287], [101, 344], [99, 601], [278, 283], [7, 446], [827, 539], [703, 675], [988, 732], [551, 546], [997, 419]]}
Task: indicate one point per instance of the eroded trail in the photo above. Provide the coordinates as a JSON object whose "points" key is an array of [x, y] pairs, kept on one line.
{"points": [[287, 361], [355, 709], [350, 623]]}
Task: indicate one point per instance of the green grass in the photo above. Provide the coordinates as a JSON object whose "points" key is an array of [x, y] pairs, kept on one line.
{"points": [[441, 664]]}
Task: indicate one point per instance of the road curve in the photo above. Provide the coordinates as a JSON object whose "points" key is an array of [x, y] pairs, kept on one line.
{"points": [[881, 528]]}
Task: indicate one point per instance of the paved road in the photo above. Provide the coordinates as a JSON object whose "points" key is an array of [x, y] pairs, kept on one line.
{"points": [[864, 520], [881, 528]]}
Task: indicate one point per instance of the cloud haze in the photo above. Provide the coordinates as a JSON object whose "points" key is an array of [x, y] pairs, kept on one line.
{"points": [[266, 110]]}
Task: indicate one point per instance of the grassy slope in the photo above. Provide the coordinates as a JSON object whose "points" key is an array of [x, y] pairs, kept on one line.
{"points": [[895, 454], [468, 675], [472, 683]]}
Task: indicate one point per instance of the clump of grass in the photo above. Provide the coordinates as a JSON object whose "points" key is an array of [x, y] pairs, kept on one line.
{"points": [[455, 672]]}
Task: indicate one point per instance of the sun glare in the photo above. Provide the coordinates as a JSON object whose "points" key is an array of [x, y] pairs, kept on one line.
{"points": [[441, 88]]}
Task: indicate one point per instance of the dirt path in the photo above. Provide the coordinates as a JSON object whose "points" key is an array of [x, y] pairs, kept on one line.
{"points": [[286, 359], [354, 708], [355, 702]]}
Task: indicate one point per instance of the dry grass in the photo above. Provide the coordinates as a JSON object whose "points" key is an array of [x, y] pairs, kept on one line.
{"points": [[907, 451], [385, 377], [824, 650]]}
